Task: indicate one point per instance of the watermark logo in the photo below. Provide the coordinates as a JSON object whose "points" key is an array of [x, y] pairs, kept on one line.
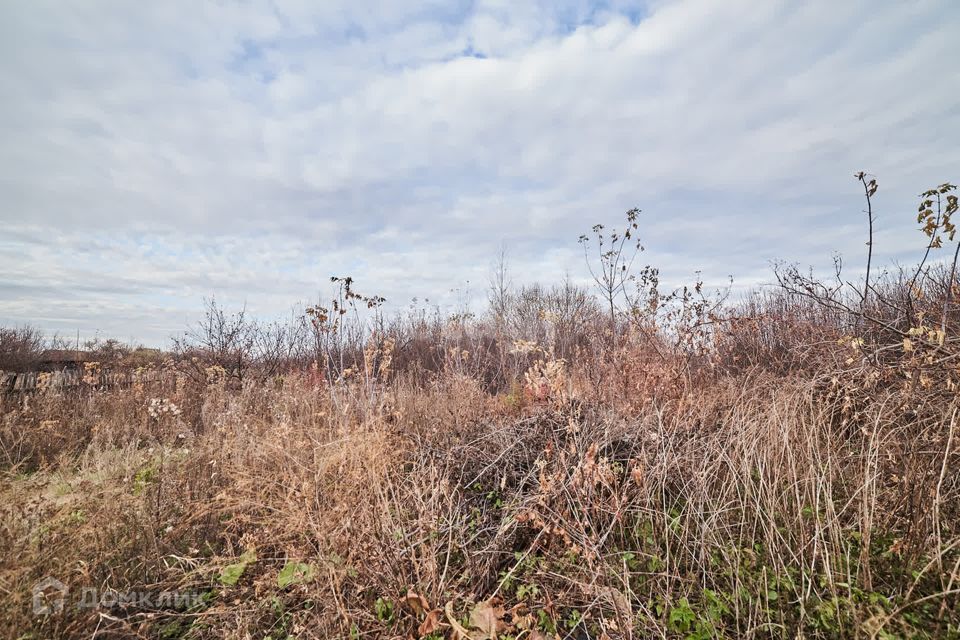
{"points": [[48, 596]]}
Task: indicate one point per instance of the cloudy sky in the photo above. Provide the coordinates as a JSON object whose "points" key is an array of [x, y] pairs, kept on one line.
{"points": [[154, 153]]}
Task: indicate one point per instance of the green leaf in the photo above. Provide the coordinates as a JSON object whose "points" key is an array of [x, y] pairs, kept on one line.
{"points": [[293, 573], [681, 616], [232, 572]]}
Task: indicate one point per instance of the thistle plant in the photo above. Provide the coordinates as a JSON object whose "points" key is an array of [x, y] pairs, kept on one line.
{"points": [[610, 267]]}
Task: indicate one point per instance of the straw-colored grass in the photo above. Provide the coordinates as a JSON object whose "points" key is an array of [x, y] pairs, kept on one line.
{"points": [[587, 500]]}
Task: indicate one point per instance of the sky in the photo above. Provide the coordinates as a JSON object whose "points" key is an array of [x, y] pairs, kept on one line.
{"points": [[157, 153]]}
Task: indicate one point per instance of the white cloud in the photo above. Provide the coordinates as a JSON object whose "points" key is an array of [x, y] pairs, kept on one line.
{"points": [[157, 153]]}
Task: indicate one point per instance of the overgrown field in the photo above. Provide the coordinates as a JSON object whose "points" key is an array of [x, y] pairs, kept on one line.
{"points": [[671, 466]]}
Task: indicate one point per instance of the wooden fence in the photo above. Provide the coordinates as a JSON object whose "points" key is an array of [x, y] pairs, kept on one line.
{"points": [[75, 379]]}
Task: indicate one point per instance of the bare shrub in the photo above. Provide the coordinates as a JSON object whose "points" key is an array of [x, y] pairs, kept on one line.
{"points": [[20, 348]]}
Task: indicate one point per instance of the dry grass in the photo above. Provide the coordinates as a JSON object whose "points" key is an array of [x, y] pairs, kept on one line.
{"points": [[623, 494], [678, 468]]}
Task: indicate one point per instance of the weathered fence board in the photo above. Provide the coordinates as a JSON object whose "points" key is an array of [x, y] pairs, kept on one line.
{"points": [[30, 381]]}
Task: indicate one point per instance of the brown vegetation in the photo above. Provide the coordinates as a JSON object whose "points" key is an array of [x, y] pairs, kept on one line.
{"points": [[785, 466]]}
